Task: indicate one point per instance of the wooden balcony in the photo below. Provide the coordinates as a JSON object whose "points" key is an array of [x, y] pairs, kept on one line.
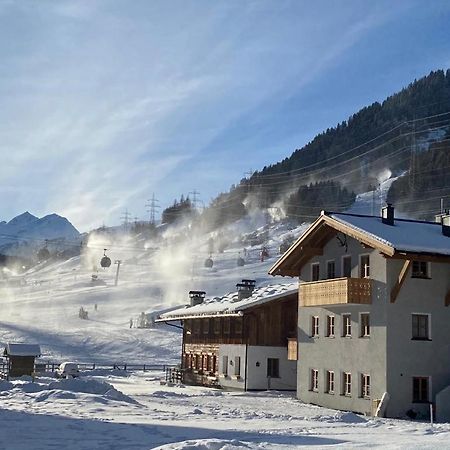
{"points": [[337, 291]]}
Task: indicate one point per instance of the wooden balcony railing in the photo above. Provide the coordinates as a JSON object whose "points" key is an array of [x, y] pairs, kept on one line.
{"points": [[337, 291]]}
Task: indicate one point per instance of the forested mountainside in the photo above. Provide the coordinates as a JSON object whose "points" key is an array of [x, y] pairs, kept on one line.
{"points": [[407, 134], [406, 131], [418, 192]]}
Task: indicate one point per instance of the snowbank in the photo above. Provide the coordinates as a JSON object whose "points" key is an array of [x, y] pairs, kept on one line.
{"points": [[206, 444]]}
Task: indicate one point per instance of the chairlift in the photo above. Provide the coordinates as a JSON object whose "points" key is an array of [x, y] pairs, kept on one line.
{"points": [[105, 261], [264, 254], [209, 262], [43, 253], [240, 261]]}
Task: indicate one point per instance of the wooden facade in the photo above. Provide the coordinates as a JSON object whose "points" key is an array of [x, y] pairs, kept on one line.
{"points": [[269, 324]]}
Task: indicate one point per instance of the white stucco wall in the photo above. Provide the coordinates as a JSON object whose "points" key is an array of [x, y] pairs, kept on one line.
{"points": [[339, 354], [257, 369], [254, 367], [232, 381]]}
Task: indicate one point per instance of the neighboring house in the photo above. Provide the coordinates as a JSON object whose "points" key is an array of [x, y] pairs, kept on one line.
{"points": [[240, 341], [374, 312], [21, 358]]}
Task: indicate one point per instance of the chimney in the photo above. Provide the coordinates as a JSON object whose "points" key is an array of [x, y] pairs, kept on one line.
{"points": [[197, 297], [245, 289], [445, 221], [387, 214], [438, 217]]}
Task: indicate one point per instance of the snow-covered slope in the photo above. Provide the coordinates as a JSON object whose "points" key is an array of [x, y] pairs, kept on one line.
{"points": [[42, 306]]}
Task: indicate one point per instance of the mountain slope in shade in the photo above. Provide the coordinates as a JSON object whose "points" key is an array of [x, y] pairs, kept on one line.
{"points": [[26, 233]]}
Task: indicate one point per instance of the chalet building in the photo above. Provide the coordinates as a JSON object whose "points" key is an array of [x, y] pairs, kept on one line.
{"points": [[21, 358], [241, 340], [374, 313]]}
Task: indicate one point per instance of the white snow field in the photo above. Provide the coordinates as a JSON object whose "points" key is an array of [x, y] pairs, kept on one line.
{"points": [[114, 409]]}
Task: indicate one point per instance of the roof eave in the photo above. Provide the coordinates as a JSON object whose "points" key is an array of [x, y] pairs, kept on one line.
{"points": [[282, 267], [199, 316]]}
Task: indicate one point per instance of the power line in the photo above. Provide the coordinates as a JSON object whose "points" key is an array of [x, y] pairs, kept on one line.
{"points": [[125, 219], [195, 200], [152, 206]]}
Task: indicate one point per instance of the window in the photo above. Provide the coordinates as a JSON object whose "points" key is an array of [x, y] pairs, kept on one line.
{"points": [[205, 326], [421, 327], [347, 325], [209, 363], [421, 389], [315, 272], [365, 385], [238, 325], [197, 325], [365, 324], [347, 266], [331, 269], [226, 325], [330, 326], [347, 384], [225, 365], [330, 382], [237, 365], [188, 326], [217, 325], [273, 367], [364, 266], [420, 269], [314, 326], [314, 380]]}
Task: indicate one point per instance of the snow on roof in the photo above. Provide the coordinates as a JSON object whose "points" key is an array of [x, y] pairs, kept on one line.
{"points": [[22, 349], [229, 304], [405, 235]]}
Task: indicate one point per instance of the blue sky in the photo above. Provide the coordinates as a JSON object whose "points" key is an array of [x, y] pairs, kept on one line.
{"points": [[106, 101]]}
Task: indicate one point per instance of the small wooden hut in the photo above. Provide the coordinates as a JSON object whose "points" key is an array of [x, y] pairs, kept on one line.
{"points": [[21, 358]]}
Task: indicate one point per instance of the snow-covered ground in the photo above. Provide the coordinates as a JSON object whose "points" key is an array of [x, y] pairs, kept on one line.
{"points": [[134, 411]]}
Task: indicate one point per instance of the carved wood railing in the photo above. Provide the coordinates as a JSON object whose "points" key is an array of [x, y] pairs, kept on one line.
{"points": [[337, 291]]}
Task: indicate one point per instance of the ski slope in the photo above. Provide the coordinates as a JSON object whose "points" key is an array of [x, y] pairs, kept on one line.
{"points": [[42, 306]]}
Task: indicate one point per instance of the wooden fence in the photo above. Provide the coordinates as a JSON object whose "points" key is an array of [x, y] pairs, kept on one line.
{"points": [[51, 366]]}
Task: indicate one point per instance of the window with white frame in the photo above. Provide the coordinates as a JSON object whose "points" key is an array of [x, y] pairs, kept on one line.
{"points": [[347, 325], [364, 266], [237, 366], [347, 266], [331, 269], [314, 380], [420, 269], [364, 320], [315, 272], [330, 326], [421, 327], [365, 385], [421, 389], [314, 326], [225, 365], [330, 382], [273, 367], [347, 384]]}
